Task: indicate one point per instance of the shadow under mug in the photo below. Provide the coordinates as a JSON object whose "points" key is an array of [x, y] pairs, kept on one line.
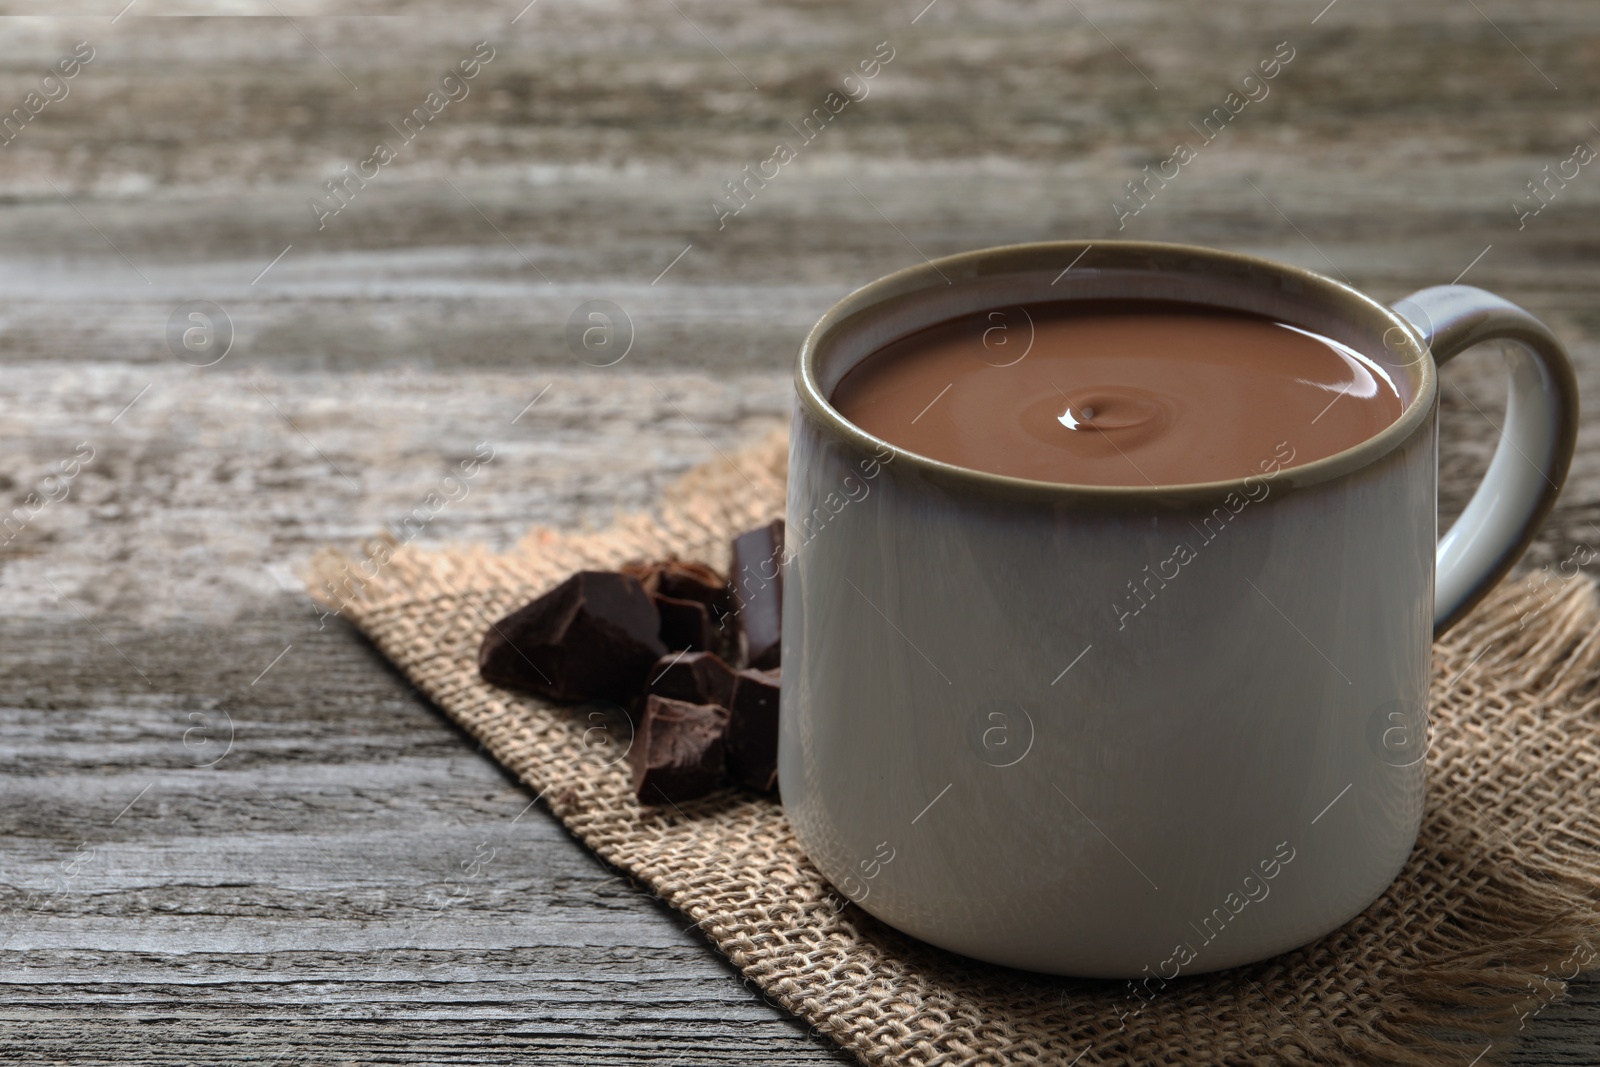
{"points": [[1014, 724]]}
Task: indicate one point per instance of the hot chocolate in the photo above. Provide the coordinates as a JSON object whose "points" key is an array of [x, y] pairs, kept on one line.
{"points": [[1126, 393]]}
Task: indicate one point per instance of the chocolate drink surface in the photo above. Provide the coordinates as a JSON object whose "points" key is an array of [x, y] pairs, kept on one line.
{"points": [[1118, 393]]}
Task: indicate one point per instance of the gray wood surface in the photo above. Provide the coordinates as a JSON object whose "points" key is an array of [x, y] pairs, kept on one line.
{"points": [[171, 898]]}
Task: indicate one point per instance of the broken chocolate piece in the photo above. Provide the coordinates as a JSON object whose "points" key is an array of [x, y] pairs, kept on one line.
{"points": [[753, 730], [684, 624], [593, 637], [678, 751], [758, 590], [683, 579], [690, 579], [695, 678]]}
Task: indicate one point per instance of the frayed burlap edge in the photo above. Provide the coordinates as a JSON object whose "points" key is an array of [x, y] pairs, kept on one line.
{"points": [[1495, 910]]}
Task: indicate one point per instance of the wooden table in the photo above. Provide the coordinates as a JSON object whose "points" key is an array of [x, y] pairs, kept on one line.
{"points": [[226, 829]]}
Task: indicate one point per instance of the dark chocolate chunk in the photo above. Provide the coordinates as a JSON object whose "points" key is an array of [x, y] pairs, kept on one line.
{"points": [[758, 590], [753, 730], [677, 752], [695, 677], [691, 580], [593, 637], [688, 580], [681, 578], [684, 624]]}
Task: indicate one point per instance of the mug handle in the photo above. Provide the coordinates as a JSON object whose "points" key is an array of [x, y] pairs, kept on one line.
{"points": [[1540, 432]]}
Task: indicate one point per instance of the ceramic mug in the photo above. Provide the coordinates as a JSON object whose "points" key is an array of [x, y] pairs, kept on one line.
{"points": [[1012, 728]]}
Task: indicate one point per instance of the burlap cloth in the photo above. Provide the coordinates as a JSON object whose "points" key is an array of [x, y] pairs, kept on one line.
{"points": [[1495, 908]]}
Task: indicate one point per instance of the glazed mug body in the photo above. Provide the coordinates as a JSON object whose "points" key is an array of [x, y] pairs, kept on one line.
{"points": [[1113, 731]]}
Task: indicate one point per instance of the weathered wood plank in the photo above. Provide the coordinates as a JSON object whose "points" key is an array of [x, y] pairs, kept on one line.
{"points": [[311, 880]]}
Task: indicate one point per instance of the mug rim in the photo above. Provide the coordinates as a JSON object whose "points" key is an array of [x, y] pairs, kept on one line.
{"points": [[1018, 258]]}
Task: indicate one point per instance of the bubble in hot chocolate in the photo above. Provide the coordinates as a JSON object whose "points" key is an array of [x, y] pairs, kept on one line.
{"points": [[1097, 421], [1148, 394]]}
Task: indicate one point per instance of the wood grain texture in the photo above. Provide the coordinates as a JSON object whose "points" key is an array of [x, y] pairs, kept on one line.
{"points": [[351, 882]]}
